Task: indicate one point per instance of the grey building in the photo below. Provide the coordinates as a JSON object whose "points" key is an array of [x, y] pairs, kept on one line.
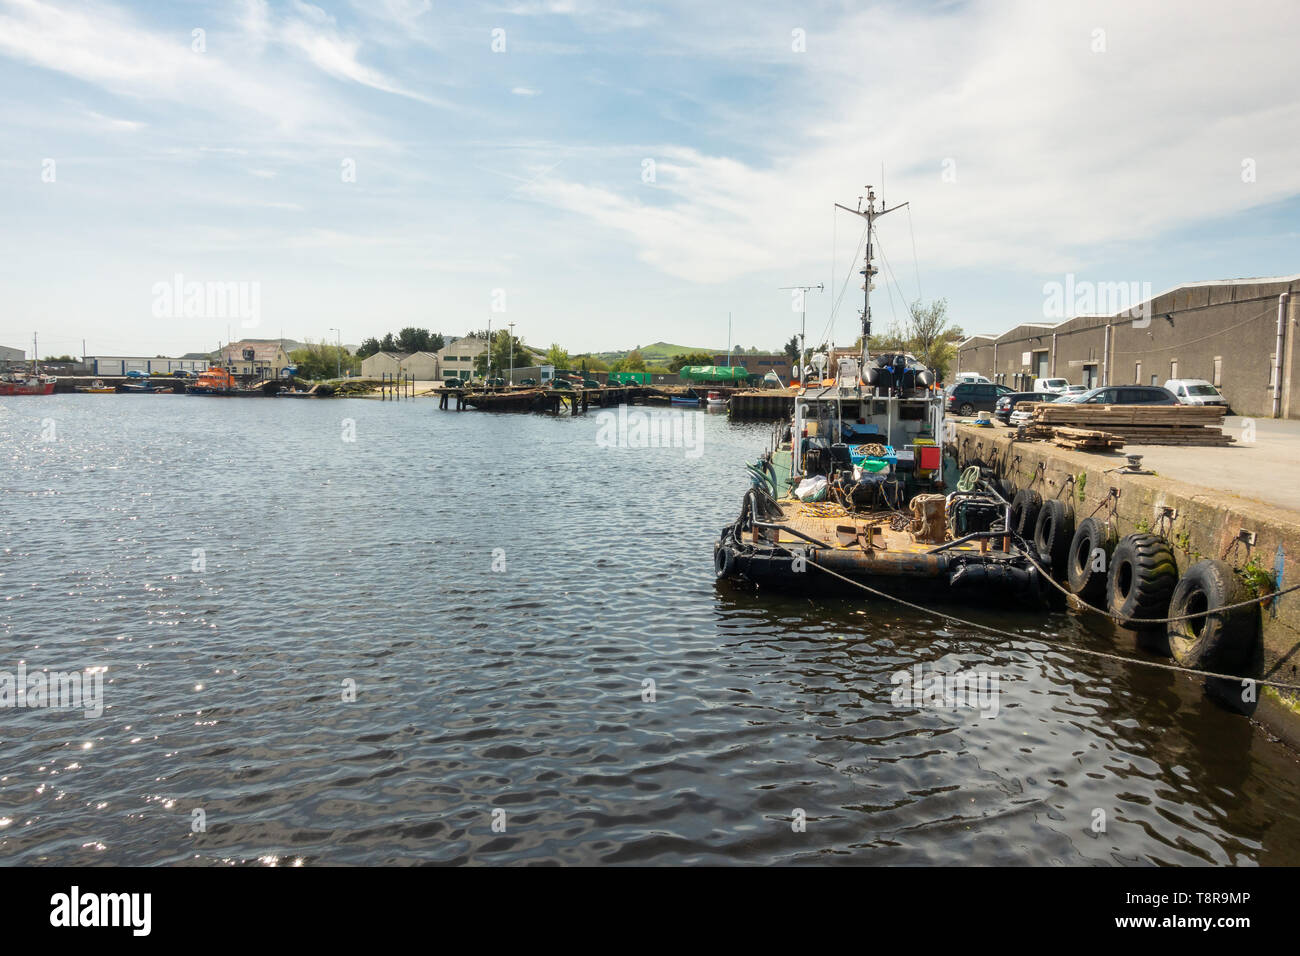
{"points": [[11, 355], [1238, 334]]}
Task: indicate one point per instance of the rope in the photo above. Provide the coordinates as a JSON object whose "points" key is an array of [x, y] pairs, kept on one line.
{"points": [[1125, 621], [969, 478], [1071, 647]]}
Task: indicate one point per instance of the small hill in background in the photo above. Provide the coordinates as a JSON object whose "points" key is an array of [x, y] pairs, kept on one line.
{"points": [[657, 353]]}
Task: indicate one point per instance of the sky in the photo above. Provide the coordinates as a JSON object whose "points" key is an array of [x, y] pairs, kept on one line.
{"points": [[611, 175]]}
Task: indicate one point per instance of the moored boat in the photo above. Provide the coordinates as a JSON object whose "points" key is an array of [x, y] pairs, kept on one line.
{"points": [[852, 494], [18, 384], [214, 381], [97, 387]]}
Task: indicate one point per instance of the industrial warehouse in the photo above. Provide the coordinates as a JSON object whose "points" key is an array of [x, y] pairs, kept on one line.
{"points": [[1237, 334]]}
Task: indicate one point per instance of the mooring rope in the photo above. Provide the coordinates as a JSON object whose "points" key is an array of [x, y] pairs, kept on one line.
{"points": [[1106, 655]]}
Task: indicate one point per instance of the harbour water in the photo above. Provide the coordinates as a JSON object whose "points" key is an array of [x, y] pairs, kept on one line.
{"points": [[498, 593]]}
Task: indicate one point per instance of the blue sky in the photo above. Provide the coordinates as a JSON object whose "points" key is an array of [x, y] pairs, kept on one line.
{"points": [[1033, 140]]}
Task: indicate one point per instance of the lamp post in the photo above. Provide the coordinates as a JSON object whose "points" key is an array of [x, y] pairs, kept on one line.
{"points": [[511, 379], [338, 353]]}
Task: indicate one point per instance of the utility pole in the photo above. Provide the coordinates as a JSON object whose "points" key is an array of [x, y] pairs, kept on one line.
{"points": [[511, 379], [487, 366], [338, 351], [803, 316], [868, 271]]}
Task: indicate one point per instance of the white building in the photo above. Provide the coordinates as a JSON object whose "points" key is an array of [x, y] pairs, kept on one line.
{"points": [[422, 366], [457, 359], [121, 364]]}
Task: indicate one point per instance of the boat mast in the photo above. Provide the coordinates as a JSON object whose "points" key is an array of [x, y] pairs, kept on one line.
{"points": [[868, 271]]}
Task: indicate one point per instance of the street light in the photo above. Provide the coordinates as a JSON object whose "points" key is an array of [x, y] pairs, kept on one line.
{"points": [[338, 350], [511, 379]]}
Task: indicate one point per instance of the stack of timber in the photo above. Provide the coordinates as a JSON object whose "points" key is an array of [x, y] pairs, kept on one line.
{"points": [[1139, 424], [1085, 439]]}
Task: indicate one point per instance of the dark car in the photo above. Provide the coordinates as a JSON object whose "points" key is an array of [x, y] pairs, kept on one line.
{"points": [[1124, 395], [1006, 404], [965, 398]]}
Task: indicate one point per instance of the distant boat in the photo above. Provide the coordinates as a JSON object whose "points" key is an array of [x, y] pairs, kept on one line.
{"points": [[97, 387], [214, 381], [16, 384], [691, 401], [717, 399], [144, 388]]}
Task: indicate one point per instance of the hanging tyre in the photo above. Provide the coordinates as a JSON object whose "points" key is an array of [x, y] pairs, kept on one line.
{"points": [[1024, 512], [1088, 581], [1005, 488], [1224, 641], [1141, 580], [723, 560], [1052, 535]]}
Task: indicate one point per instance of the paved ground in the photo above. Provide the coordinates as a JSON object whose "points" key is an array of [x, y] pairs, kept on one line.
{"points": [[1264, 465]]}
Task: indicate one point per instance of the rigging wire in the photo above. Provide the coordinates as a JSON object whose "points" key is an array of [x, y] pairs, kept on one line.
{"points": [[915, 261]]}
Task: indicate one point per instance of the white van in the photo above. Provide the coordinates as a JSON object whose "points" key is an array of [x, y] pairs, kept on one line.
{"points": [[971, 377], [1051, 384], [1195, 391]]}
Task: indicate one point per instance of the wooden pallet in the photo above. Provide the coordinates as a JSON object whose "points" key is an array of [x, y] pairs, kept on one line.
{"points": [[1086, 439], [1138, 424]]}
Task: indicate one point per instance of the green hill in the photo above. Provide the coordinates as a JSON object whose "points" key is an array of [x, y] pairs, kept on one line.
{"points": [[657, 352]]}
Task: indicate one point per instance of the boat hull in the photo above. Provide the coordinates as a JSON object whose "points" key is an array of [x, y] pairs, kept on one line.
{"points": [[24, 388]]}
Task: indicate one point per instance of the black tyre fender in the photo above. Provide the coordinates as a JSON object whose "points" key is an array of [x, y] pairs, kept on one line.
{"points": [[1141, 579], [1086, 582], [723, 560], [1005, 488], [1052, 535], [1024, 512], [1223, 641]]}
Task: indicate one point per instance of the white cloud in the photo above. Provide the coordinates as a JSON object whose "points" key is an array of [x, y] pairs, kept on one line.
{"points": [[1055, 148], [525, 91]]}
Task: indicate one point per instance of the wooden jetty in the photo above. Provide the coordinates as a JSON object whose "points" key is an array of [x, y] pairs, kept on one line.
{"points": [[575, 400]]}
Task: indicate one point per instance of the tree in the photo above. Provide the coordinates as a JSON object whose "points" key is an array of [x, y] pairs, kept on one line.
{"points": [[368, 348], [927, 333], [689, 358], [557, 356], [500, 350], [322, 360], [633, 362], [591, 363], [388, 344], [436, 342], [791, 349]]}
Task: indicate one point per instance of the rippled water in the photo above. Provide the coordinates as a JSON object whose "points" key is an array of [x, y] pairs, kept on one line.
{"points": [[521, 690]]}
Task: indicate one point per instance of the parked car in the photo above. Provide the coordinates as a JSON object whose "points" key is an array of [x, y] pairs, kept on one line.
{"points": [[1006, 404], [965, 398], [1074, 390], [1051, 384], [1124, 395], [970, 377], [135, 373], [452, 383], [1195, 391], [183, 373]]}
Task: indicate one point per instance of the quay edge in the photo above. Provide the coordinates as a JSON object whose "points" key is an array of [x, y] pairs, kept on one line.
{"points": [[1205, 523]]}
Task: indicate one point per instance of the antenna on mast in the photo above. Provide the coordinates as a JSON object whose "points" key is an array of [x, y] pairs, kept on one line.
{"points": [[868, 271]]}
